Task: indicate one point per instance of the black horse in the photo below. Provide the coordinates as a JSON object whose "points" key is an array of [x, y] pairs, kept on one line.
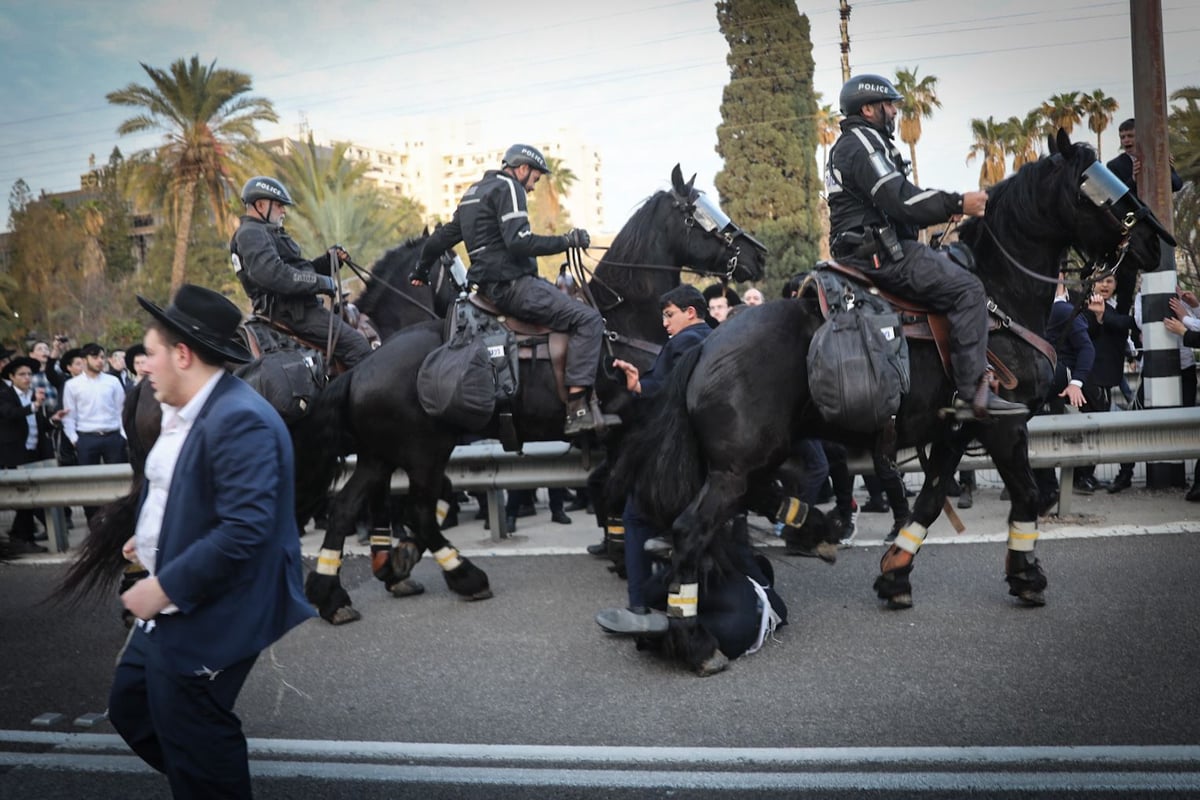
{"points": [[373, 410], [393, 303], [728, 418]]}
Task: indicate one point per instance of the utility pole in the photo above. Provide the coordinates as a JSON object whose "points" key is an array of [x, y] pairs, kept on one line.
{"points": [[845, 26], [1160, 359]]}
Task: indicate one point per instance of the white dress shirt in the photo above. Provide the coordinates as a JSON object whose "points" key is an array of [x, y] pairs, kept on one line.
{"points": [[92, 404], [160, 467]]}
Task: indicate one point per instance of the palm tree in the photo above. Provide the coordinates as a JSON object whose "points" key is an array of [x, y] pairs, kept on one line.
{"points": [[1183, 128], [827, 130], [1100, 109], [1022, 137], [920, 99], [335, 204], [205, 116], [1062, 111], [989, 147]]}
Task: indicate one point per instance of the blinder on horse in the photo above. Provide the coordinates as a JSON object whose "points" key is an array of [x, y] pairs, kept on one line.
{"points": [[1105, 190], [711, 219]]}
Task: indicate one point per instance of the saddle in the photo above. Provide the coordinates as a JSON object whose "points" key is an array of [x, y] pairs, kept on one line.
{"points": [[920, 323], [263, 335], [534, 342], [287, 371]]}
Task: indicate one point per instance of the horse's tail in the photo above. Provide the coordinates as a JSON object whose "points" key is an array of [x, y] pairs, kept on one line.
{"points": [[99, 561], [320, 441], [660, 460]]}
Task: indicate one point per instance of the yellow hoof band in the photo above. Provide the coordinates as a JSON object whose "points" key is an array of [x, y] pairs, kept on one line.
{"points": [[328, 562], [911, 537], [1022, 536], [381, 541], [685, 602], [615, 530], [447, 558], [443, 508], [793, 512]]}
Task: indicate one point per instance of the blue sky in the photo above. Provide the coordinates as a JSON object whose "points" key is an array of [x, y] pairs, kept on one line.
{"points": [[641, 79]]}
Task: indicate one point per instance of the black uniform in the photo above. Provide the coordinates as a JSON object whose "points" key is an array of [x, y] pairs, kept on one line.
{"points": [[869, 191], [284, 286], [493, 221]]}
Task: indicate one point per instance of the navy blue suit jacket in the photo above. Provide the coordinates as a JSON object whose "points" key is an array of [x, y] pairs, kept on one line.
{"points": [[229, 551], [676, 346]]}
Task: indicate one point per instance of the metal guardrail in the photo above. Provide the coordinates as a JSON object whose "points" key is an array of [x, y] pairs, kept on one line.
{"points": [[1065, 440]]}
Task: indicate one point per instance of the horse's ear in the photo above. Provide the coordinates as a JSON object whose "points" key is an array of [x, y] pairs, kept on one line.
{"points": [[691, 183], [1063, 141], [677, 181], [426, 233]]}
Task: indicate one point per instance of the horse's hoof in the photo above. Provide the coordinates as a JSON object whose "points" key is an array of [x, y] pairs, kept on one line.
{"points": [[344, 615], [1031, 598], [900, 602], [715, 663], [406, 588], [482, 594]]}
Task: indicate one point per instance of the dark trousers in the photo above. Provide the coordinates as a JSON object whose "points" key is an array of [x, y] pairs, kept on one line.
{"points": [[23, 526], [182, 725], [351, 346], [926, 275], [92, 448], [637, 565], [1187, 399], [535, 300]]}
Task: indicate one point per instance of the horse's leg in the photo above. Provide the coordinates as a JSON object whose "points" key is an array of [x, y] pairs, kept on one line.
{"points": [[693, 531], [893, 583], [461, 575], [392, 564], [806, 531], [323, 587], [1007, 442]]}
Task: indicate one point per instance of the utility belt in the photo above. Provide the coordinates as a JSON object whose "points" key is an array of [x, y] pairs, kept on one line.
{"points": [[873, 243]]}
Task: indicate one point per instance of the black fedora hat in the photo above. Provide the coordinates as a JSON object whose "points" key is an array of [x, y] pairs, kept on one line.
{"points": [[20, 361], [204, 319]]}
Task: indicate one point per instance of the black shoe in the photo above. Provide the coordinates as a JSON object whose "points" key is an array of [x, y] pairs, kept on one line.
{"points": [[1083, 486], [576, 505], [560, 517], [876, 505], [1047, 504], [1193, 495], [1120, 483], [640, 621], [24, 547], [966, 497], [994, 407], [893, 533], [599, 550]]}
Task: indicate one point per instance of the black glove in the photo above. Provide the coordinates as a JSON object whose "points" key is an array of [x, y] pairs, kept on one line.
{"points": [[325, 285], [578, 237], [340, 254], [420, 273]]}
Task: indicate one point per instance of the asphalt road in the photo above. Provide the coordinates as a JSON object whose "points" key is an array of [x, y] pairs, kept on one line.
{"points": [[521, 696]]}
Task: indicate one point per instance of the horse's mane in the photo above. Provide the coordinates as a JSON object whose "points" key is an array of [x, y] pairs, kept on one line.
{"points": [[638, 237], [392, 267], [1022, 207]]}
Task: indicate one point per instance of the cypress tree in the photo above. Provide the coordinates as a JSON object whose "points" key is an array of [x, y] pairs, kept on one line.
{"points": [[768, 135]]}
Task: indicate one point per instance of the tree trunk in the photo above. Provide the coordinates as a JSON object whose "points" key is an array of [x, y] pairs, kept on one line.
{"points": [[912, 150], [183, 232]]}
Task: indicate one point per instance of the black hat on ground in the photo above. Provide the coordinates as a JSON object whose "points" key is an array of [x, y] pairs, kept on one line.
{"points": [[204, 319]]}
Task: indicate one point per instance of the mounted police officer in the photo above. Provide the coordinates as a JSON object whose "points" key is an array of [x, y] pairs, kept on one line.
{"points": [[282, 285], [875, 213], [492, 219]]}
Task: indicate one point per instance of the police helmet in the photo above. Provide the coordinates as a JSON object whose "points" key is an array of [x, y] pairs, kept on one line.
{"points": [[261, 187], [520, 154], [862, 90]]}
